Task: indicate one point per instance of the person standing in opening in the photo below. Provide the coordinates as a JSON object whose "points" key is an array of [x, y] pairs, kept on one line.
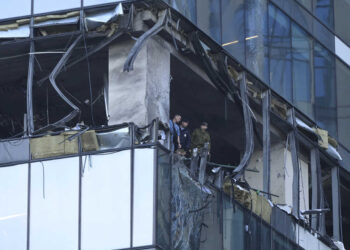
{"points": [[185, 137], [175, 132], [200, 136]]}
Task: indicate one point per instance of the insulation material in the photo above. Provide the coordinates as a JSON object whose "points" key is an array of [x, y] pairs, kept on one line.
{"points": [[65, 21], [49, 146], [16, 150], [52, 17], [251, 200], [323, 140], [89, 141], [189, 203]]}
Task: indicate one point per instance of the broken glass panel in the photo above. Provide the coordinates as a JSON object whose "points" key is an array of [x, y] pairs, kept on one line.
{"points": [[13, 209]]}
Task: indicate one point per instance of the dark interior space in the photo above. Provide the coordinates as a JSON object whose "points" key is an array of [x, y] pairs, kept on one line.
{"points": [[327, 189], [73, 81], [197, 100], [14, 61]]}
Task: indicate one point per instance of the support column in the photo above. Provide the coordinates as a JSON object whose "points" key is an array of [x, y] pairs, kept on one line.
{"points": [[335, 203], [315, 161], [295, 161], [266, 142]]}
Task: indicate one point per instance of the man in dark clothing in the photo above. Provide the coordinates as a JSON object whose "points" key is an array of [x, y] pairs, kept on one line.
{"points": [[200, 136], [185, 137]]}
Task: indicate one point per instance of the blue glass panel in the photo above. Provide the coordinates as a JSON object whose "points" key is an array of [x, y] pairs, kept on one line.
{"points": [[325, 89], [41, 6], [10, 8], [302, 70], [186, 8], [257, 38], [280, 53], [342, 19], [208, 18], [343, 103], [324, 11], [54, 204], [13, 209], [233, 37]]}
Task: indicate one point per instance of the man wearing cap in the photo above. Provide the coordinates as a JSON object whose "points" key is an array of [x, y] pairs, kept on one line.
{"points": [[200, 136]]}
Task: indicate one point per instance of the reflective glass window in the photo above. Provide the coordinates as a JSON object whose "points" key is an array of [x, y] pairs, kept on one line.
{"points": [[208, 18], [54, 204], [41, 6], [105, 212], [163, 199], [302, 70], [96, 2], [233, 223], [343, 103], [186, 8], [10, 9], [143, 197], [257, 38], [280, 53], [233, 37], [13, 209], [323, 9], [306, 3], [342, 19], [325, 89]]}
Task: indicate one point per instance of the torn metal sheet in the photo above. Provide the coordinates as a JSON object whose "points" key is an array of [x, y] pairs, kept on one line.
{"points": [[52, 79], [19, 32], [303, 125], [12, 151], [129, 62], [333, 152], [94, 20], [65, 21]]}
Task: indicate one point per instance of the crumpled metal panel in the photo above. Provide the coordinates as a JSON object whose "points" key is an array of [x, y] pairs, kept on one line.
{"points": [[189, 204]]}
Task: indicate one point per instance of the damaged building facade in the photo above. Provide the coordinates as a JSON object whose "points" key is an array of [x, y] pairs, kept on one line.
{"points": [[87, 89]]}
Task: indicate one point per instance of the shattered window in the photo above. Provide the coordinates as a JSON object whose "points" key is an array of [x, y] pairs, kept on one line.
{"points": [[13, 209], [280, 53], [325, 90], [14, 62], [302, 70], [233, 37], [42, 6], [15, 8]]}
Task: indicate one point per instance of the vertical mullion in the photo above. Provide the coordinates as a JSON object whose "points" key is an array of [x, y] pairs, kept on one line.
{"points": [[80, 191], [132, 155], [335, 203], [266, 142]]}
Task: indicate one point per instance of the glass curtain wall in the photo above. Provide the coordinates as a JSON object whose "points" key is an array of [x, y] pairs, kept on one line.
{"points": [[209, 18], [325, 89], [302, 70], [280, 53]]}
